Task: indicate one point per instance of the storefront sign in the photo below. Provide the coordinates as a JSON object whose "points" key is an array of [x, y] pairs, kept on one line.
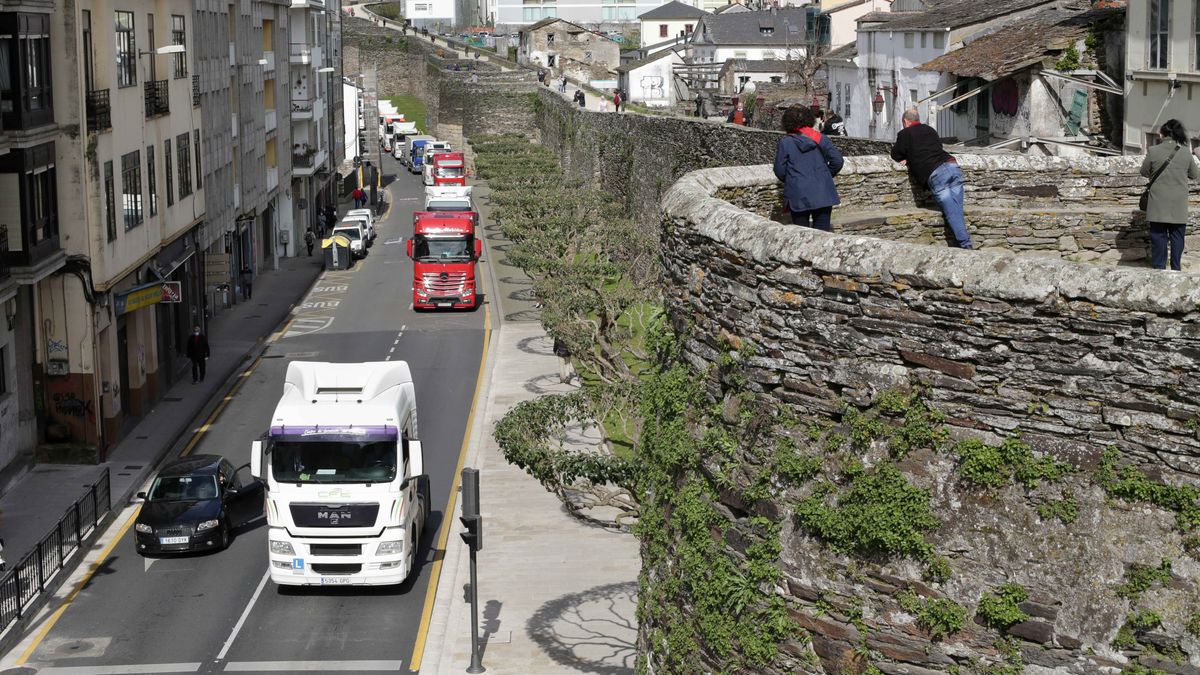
{"points": [[146, 295], [216, 269]]}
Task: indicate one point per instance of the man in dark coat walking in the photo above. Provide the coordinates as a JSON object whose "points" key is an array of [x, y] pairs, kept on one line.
{"points": [[806, 162], [197, 353]]}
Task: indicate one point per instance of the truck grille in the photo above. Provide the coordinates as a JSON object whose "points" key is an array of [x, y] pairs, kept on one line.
{"points": [[335, 549], [451, 284], [336, 568], [334, 515]]}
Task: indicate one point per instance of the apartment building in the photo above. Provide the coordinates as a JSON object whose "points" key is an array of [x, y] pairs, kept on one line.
{"points": [[1162, 70], [315, 87]]}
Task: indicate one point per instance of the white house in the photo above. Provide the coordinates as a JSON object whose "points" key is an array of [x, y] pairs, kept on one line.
{"points": [[757, 36], [839, 18], [668, 21], [514, 14], [1162, 64], [651, 81], [436, 13]]}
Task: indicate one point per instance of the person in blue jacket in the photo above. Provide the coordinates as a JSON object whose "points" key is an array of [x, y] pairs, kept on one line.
{"points": [[806, 162]]}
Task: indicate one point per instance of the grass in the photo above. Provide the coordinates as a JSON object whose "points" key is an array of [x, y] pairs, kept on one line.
{"points": [[413, 109]]}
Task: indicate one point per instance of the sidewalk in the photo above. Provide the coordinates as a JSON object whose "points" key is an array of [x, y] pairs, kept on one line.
{"points": [[34, 503]]}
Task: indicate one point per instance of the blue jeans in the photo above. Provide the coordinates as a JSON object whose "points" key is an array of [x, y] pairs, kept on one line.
{"points": [[820, 218], [1163, 235], [946, 183]]}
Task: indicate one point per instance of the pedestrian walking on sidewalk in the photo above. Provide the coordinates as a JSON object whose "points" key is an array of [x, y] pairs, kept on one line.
{"points": [[247, 282], [309, 240], [1168, 165], [197, 353], [357, 195], [566, 369], [562, 85], [806, 162], [920, 149]]}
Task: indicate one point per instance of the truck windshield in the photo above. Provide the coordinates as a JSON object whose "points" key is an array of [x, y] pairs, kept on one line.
{"points": [[333, 462], [428, 249], [450, 172]]}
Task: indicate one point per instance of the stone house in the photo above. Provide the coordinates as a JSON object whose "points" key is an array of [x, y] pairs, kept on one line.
{"points": [[737, 73], [565, 48], [1162, 62]]}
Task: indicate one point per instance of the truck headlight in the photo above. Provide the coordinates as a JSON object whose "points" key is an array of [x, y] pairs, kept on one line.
{"points": [[282, 548], [143, 528], [421, 292], [207, 525], [390, 548]]}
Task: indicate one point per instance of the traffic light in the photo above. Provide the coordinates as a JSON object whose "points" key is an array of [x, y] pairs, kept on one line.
{"points": [[471, 520]]}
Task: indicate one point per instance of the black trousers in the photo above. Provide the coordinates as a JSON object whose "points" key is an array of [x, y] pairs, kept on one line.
{"points": [[198, 369], [1164, 236], [819, 218]]}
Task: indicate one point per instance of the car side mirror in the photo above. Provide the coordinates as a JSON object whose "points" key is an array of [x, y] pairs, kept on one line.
{"points": [[142, 496], [409, 248]]}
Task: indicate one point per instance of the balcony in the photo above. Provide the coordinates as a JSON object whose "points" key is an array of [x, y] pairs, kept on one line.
{"points": [[270, 120], [195, 91], [157, 98], [299, 53], [38, 254], [302, 108], [99, 111], [269, 66], [232, 54], [306, 161], [272, 178]]}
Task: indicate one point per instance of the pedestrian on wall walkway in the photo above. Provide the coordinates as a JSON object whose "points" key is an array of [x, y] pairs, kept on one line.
{"points": [[1168, 165], [566, 369], [919, 148], [197, 353], [806, 162]]}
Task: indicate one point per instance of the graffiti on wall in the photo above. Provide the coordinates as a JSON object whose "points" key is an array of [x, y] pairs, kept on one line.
{"points": [[55, 346]]}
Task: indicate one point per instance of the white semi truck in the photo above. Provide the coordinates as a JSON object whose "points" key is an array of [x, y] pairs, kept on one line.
{"points": [[347, 497]]}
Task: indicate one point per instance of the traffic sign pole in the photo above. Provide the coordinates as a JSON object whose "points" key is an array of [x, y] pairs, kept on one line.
{"points": [[474, 540]]}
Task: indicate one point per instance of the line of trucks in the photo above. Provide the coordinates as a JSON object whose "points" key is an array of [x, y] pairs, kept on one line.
{"points": [[347, 494]]}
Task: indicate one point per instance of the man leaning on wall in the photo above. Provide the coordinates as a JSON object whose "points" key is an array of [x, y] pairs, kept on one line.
{"points": [[919, 148]]}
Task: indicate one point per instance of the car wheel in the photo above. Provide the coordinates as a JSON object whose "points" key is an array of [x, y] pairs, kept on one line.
{"points": [[224, 536]]}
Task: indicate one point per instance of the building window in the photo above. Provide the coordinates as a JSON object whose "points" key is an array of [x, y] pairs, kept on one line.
{"points": [[131, 189], [35, 57], [549, 38], [618, 10], [912, 97], [1158, 36], [939, 40], [551, 60], [25, 77], [739, 55], [662, 30], [110, 202], [908, 40], [768, 56], [167, 171], [199, 178], [179, 37], [847, 99], [126, 50], [150, 46], [924, 37], [776, 79], [687, 28], [89, 71], [151, 180], [183, 149]]}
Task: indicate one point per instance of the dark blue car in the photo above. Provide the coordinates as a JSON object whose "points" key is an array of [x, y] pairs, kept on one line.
{"points": [[194, 504]]}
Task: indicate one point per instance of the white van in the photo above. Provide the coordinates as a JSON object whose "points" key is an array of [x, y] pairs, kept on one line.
{"points": [[427, 164], [356, 234], [367, 218]]}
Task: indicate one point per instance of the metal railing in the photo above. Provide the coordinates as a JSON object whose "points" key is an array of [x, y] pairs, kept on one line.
{"points": [[26, 580], [99, 110], [158, 98], [195, 91], [303, 159], [302, 105]]}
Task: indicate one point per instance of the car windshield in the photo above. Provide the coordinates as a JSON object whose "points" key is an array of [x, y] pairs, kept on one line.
{"points": [[448, 206], [349, 232], [333, 461], [183, 489], [430, 249]]}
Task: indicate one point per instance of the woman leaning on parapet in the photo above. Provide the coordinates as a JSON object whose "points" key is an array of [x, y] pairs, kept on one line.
{"points": [[1168, 165], [806, 162]]}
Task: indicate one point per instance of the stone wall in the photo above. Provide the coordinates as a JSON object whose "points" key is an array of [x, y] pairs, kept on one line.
{"points": [[1082, 209], [1074, 358]]}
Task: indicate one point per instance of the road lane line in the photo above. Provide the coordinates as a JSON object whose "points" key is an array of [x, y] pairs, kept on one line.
{"points": [[87, 578], [122, 670], [296, 666], [237, 627], [195, 440], [448, 515]]}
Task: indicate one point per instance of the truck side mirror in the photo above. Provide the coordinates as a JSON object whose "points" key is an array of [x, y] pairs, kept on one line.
{"points": [[256, 459], [416, 460], [478, 249], [410, 248]]}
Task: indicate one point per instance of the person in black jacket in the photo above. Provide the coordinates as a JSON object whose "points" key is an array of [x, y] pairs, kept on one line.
{"points": [[806, 162], [920, 149], [197, 353]]}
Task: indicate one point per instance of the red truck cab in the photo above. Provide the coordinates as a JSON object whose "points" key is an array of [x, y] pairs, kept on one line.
{"points": [[444, 251], [449, 168]]}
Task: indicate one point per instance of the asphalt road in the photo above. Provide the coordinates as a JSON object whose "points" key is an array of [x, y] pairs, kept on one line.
{"points": [[218, 613]]}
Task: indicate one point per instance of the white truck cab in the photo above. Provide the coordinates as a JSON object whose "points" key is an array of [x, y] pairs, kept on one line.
{"points": [[451, 198], [347, 497], [427, 163]]}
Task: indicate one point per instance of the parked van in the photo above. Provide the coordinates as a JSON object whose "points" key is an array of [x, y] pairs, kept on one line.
{"points": [[367, 218], [357, 235]]}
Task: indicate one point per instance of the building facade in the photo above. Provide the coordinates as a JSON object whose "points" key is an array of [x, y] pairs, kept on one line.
{"points": [[1162, 66], [564, 48], [672, 20], [603, 15], [315, 90]]}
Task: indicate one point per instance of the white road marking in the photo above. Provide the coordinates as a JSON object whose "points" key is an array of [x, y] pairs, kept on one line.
{"points": [[292, 666], [148, 562], [396, 341], [237, 628], [394, 241], [122, 670], [391, 351]]}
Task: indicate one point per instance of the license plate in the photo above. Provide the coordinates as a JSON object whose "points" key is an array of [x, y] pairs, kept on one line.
{"points": [[334, 581], [445, 304], [166, 541]]}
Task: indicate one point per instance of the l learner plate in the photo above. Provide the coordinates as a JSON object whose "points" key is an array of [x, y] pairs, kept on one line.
{"points": [[165, 541], [333, 581]]}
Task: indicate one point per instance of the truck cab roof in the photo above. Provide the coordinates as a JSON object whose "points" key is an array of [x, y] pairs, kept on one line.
{"points": [[430, 222]]}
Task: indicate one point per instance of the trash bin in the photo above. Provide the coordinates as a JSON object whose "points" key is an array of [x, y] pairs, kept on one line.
{"points": [[336, 250]]}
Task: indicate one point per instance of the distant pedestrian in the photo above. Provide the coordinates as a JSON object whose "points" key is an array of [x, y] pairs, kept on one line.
{"points": [[920, 149], [197, 353], [1167, 204], [834, 125], [699, 104], [617, 101], [566, 369], [603, 104], [581, 98], [474, 78], [309, 241], [562, 84], [358, 197], [247, 282], [806, 162], [541, 76]]}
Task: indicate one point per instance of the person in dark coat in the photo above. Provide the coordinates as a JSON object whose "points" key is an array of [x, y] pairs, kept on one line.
{"points": [[834, 125], [1167, 207], [197, 353], [919, 148], [247, 282], [309, 241], [806, 162]]}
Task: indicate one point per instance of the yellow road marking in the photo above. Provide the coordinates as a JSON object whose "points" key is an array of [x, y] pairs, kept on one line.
{"points": [[78, 587], [187, 450], [448, 514]]}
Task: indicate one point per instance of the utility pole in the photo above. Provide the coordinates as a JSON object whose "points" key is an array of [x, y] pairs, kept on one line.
{"points": [[473, 536]]}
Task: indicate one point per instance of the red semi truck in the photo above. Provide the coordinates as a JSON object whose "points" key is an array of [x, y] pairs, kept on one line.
{"points": [[444, 251], [449, 168]]}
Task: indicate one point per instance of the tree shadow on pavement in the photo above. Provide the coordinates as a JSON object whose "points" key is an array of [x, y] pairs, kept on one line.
{"points": [[593, 631]]}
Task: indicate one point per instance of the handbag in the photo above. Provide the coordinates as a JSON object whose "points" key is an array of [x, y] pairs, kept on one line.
{"points": [[1144, 200]]}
